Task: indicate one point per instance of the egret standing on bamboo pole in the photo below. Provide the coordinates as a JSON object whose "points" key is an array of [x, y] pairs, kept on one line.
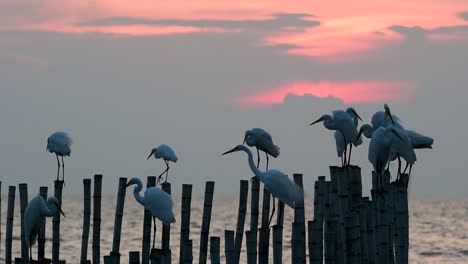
{"points": [[261, 140], [34, 217], [167, 154], [59, 143], [276, 182], [157, 201], [346, 125]]}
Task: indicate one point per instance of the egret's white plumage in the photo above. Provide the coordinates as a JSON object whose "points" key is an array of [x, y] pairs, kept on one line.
{"points": [[276, 182], [60, 143], [261, 140], [34, 217], [345, 123], [167, 154], [155, 200]]}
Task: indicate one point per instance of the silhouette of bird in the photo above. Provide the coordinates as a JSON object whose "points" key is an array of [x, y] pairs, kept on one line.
{"points": [[261, 140], [59, 143], [155, 200], [346, 125], [340, 141], [167, 154], [34, 217], [276, 182]]}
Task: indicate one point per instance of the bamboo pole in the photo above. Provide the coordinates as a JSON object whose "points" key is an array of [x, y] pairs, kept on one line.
{"points": [[188, 257], [134, 257], [252, 238], [355, 186], [363, 229], [214, 250], [251, 242], [277, 244], [353, 232], [382, 228], [147, 221], [119, 208], [331, 229], [299, 217], [41, 236], [23, 192], [319, 218], [401, 221], [185, 221], [166, 235], [243, 192], [229, 246], [264, 232], [314, 229], [341, 206], [371, 232], [9, 224], [205, 228], [86, 219], [58, 186], [297, 255], [97, 218]]}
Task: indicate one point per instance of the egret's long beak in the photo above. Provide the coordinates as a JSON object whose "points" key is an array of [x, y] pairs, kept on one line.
{"points": [[245, 139], [60, 209], [318, 120], [357, 115], [150, 155], [229, 151], [128, 184], [389, 113]]}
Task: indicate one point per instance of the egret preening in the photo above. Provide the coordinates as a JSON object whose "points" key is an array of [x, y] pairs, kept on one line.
{"points": [[276, 182], [261, 140], [155, 200], [346, 124], [34, 216], [59, 143], [167, 154]]}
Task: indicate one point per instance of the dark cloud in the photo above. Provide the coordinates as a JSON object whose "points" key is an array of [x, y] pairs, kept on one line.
{"points": [[421, 32], [464, 15], [279, 20]]}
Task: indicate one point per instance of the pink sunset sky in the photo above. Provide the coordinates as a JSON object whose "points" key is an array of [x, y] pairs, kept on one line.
{"points": [[326, 32]]}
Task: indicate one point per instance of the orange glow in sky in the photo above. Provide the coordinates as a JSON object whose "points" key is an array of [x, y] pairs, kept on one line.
{"points": [[355, 92]]}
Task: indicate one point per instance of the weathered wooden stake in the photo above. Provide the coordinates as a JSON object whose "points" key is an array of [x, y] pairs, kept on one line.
{"points": [[264, 232], [86, 220], [119, 208], [188, 257], [298, 247], [147, 222], [339, 181], [23, 192], [58, 186], [97, 218], [134, 257], [185, 215], [229, 246], [353, 232], [214, 249], [41, 236], [331, 229], [363, 229], [243, 192], [401, 221], [251, 243], [9, 224], [164, 255], [252, 238], [371, 232], [277, 244], [205, 228], [314, 229]]}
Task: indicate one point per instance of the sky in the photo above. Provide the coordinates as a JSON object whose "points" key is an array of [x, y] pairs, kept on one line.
{"points": [[124, 77]]}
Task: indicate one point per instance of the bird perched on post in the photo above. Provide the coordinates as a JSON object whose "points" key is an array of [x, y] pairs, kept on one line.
{"points": [[261, 140], [34, 216], [167, 154], [155, 200], [346, 124], [59, 143], [276, 182]]}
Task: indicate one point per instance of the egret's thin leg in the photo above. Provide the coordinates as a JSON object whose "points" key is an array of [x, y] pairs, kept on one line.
{"points": [[58, 167], [406, 167], [409, 173], [399, 167], [342, 161], [267, 160], [167, 169], [388, 166], [30, 252], [345, 150], [154, 230], [272, 211], [258, 157], [63, 170], [160, 176], [350, 149]]}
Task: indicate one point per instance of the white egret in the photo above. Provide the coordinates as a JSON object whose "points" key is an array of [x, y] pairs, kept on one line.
{"points": [[167, 154], [34, 216], [340, 141], [261, 140], [276, 182], [346, 125], [155, 200], [59, 143]]}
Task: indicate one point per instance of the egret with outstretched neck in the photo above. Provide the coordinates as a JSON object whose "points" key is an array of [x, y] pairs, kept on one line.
{"points": [[167, 154], [59, 143], [276, 182], [34, 217], [155, 200], [261, 140]]}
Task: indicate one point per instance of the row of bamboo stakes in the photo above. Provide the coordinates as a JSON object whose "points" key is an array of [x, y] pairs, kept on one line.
{"points": [[346, 228]]}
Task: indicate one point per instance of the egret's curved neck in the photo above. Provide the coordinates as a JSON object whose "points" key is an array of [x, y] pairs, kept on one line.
{"points": [[252, 165], [50, 209], [136, 192], [328, 122]]}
